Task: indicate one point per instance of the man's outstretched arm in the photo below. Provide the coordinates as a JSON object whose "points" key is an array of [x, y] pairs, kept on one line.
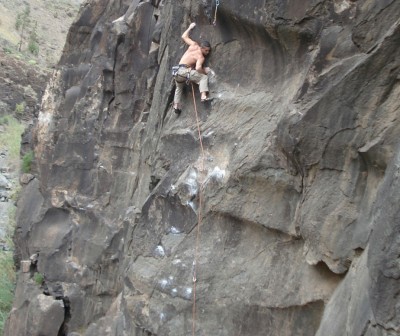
{"points": [[199, 66], [185, 35]]}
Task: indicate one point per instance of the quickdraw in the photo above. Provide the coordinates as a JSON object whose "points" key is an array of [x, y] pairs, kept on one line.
{"points": [[215, 15]]}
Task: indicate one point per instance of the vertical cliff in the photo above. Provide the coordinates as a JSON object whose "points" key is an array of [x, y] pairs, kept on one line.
{"points": [[297, 187]]}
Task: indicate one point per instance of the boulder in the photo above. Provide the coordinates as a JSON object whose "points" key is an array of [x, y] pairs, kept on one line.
{"points": [[45, 316]]}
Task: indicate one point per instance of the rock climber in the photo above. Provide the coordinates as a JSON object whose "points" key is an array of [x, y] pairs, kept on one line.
{"points": [[191, 68]]}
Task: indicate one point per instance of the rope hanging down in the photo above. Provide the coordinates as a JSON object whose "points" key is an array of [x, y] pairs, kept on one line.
{"points": [[199, 218], [215, 15]]}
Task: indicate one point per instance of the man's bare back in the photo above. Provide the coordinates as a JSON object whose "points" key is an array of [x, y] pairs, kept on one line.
{"points": [[195, 55]]}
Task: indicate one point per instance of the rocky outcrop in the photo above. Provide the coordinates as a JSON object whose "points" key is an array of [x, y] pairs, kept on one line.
{"points": [[21, 88], [285, 224], [20, 84], [6, 184]]}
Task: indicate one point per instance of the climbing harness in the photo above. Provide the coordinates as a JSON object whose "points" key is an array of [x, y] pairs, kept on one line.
{"points": [[199, 220], [215, 15], [175, 74]]}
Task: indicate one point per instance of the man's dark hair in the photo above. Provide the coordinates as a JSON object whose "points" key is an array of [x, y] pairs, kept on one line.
{"points": [[205, 44]]}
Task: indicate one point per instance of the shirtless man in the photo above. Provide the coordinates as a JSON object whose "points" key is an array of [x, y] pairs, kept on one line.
{"points": [[191, 68]]}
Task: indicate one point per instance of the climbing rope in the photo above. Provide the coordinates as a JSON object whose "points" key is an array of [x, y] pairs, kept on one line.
{"points": [[215, 15], [199, 219], [198, 127]]}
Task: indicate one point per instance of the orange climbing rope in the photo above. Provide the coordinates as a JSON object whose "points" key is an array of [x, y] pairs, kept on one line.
{"points": [[199, 218]]}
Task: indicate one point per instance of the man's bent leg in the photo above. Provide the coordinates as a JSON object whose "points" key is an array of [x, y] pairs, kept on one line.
{"points": [[202, 80], [203, 85], [178, 94]]}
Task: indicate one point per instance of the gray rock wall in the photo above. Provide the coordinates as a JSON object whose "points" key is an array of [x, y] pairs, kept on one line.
{"points": [[296, 188]]}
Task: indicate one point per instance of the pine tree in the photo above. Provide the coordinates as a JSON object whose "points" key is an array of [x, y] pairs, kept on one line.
{"points": [[22, 25], [27, 30], [33, 43]]}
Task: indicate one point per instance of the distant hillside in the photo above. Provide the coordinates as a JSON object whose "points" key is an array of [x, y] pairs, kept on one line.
{"points": [[53, 19]]}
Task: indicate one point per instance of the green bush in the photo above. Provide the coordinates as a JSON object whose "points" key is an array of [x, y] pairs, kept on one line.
{"points": [[7, 50], [4, 120], [20, 108], [7, 270], [39, 278], [7, 286], [33, 47], [27, 162], [15, 193]]}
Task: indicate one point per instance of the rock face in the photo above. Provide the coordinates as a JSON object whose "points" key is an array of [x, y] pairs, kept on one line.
{"points": [[287, 223]]}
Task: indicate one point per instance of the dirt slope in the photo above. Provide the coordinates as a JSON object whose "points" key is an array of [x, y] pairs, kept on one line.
{"points": [[54, 18]]}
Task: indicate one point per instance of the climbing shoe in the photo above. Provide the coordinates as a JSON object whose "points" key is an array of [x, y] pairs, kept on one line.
{"points": [[177, 111], [207, 99]]}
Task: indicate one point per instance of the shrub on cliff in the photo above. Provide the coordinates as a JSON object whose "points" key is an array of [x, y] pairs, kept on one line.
{"points": [[27, 162], [20, 108]]}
